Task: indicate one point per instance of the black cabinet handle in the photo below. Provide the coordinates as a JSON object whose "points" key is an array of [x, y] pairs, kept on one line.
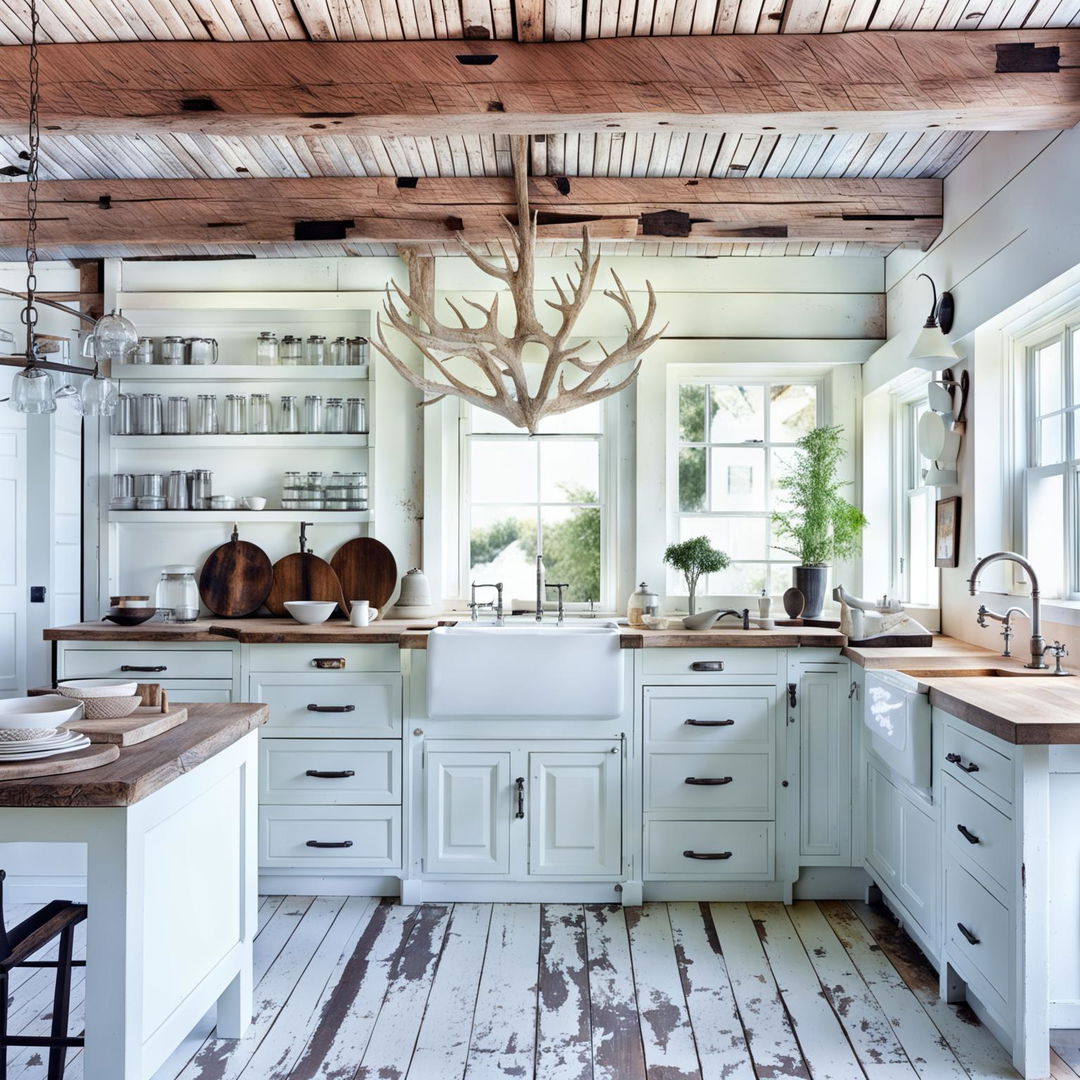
{"points": [[708, 781], [956, 760], [329, 843], [519, 787], [138, 667], [707, 665], [707, 854], [331, 708], [329, 663], [792, 695], [967, 834], [321, 774], [709, 723], [972, 939]]}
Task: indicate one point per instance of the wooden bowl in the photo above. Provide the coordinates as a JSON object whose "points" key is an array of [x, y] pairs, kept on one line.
{"points": [[129, 616]]}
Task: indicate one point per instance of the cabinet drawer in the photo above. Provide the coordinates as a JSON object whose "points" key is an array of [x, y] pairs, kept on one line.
{"points": [[983, 834], [147, 665], [703, 663], [969, 905], [364, 706], [745, 850], [365, 837], [722, 714], [287, 765], [379, 657], [977, 765], [746, 792]]}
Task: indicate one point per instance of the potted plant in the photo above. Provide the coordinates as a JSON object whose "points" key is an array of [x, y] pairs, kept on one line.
{"points": [[692, 558], [818, 524]]}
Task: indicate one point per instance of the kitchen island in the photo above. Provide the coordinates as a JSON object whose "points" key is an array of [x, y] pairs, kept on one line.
{"points": [[169, 828]]}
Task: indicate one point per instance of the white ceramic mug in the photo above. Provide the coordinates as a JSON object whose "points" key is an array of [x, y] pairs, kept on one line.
{"points": [[359, 612]]}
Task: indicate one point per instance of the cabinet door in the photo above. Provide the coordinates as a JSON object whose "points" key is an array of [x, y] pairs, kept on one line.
{"points": [[467, 812], [825, 769], [575, 816], [920, 866], [883, 827]]}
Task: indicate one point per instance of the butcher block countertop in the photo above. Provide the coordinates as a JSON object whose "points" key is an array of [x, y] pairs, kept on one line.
{"points": [[412, 634], [147, 767]]}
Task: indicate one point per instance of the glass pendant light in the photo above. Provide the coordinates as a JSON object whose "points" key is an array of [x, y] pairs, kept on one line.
{"points": [[32, 391], [97, 397], [115, 338]]}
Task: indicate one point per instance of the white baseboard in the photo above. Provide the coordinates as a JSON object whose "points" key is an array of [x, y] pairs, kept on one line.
{"points": [[831, 883]]}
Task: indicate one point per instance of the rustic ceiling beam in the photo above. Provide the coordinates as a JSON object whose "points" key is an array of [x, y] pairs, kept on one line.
{"points": [[158, 213], [872, 81]]}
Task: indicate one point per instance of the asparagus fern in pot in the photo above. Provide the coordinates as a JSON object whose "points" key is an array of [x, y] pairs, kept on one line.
{"points": [[817, 524], [693, 558]]}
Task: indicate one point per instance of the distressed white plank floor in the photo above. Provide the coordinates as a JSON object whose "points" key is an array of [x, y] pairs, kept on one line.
{"points": [[358, 989]]}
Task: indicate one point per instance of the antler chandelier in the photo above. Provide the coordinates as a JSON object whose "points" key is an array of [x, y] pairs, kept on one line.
{"points": [[565, 380]]}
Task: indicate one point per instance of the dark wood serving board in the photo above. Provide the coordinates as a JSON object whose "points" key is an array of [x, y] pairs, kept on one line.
{"points": [[367, 571], [236, 578], [92, 757]]}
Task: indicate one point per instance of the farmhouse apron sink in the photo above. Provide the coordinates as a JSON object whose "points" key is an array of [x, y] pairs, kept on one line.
{"points": [[537, 672]]}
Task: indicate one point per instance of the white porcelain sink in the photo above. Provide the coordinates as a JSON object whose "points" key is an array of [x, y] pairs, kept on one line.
{"points": [[525, 672], [897, 715]]}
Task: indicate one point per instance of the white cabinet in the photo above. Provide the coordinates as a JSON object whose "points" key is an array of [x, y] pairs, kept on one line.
{"points": [[523, 810]]}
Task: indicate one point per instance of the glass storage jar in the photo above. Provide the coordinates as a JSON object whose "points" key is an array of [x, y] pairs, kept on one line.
{"points": [[315, 350], [173, 350], [266, 348], [177, 595], [292, 349]]}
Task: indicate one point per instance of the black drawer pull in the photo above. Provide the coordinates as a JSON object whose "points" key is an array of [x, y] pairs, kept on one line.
{"points": [[707, 854], [709, 723], [972, 939], [329, 843], [708, 781], [967, 834], [329, 663], [707, 665], [970, 767], [138, 667], [322, 774], [331, 708]]}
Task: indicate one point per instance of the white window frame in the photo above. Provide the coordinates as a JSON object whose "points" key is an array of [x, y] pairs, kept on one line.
{"points": [[715, 375]]}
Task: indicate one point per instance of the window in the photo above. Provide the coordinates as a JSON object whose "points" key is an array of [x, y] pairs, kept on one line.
{"points": [[547, 492], [917, 577], [734, 439], [1051, 483]]}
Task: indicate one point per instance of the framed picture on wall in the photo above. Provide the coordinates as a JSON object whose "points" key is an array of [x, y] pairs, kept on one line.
{"points": [[947, 532]]}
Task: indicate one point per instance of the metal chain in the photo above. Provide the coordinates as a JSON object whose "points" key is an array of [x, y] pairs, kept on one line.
{"points": [[29, 313]]}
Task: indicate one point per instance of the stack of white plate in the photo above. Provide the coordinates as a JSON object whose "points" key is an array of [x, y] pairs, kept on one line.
{"points": [[60, 742]]}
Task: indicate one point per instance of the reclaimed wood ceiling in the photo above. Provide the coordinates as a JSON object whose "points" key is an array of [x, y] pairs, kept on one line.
{"points": [[95, 155]]}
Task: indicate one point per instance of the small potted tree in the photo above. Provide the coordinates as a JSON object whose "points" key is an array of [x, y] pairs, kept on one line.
{"points": [[692, 558], [818, 524]]}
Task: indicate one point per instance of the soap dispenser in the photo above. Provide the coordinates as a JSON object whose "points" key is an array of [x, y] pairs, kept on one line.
{"points": [[764, 604], [642, 603]]}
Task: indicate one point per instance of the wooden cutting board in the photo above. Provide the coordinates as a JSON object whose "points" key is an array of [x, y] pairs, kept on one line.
{"points": [[303, 576], [93, 757], [141, 725], [236, 578], [367, 571]]}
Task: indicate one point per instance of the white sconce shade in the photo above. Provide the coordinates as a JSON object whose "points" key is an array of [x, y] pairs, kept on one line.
{"points": [[933, 350]]}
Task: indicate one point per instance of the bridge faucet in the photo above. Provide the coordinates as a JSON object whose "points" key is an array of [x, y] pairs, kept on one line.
{"points": [[1038, 646], [540, 587], [474, 607]]}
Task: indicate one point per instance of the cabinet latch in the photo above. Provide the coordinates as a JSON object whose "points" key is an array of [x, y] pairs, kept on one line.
{"points": [[853, 692], [792, 698]]}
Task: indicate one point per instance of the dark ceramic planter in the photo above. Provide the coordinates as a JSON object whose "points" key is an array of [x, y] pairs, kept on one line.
{"points": [[811, 582]]}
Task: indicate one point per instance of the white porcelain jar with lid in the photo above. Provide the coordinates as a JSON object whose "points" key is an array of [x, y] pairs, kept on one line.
{"points": [[644, 603], [177, 595]]}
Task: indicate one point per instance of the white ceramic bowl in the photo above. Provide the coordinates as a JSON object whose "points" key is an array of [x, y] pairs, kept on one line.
{"points": [[97, 688], [310, 611], [254, 502], [35, 717]]}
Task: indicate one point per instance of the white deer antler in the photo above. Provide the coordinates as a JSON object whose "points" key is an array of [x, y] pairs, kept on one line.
{"points": [[499, 358]]}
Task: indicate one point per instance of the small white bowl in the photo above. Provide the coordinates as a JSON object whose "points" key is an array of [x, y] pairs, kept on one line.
{"points": [[310, 611], [97, 688], [37, 713], [254, 502]]}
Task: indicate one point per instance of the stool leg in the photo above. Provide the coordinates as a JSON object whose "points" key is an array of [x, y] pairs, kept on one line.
{"points": [[3, 1025], [61, 1005]]}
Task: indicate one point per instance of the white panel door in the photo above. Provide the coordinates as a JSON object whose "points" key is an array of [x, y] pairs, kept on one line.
{"points": [[883, 827], [575, 816], [919, 870], [467, 813], [12, 547], [825, 768]]}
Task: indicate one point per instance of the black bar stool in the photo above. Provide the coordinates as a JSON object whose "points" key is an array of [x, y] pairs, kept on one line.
{"points": [[17, 945]]}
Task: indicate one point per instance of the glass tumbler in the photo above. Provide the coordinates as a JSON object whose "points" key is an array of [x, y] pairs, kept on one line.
{"points": [[260, 415], [149, 422], [289, 416], [313, 414], [177, 416], [176, 490], [356, 416], [235, 414], [206, 414], [334, 418], [123, 418]]}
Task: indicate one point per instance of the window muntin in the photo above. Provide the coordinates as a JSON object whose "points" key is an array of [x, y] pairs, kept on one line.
{"points": [[734, 438], [917, 577]]}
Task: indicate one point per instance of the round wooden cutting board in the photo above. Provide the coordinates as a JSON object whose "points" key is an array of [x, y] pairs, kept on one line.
{"points": [[303, 576], [93, 757], [236, 578], [367, 571]]}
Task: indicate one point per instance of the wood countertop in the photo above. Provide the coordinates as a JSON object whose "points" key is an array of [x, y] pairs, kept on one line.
{"points": [[412, 634], [147, 767], [946, 654]]}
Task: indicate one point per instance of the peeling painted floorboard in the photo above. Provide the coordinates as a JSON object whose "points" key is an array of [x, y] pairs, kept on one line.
{"points": [[357, 989]]}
